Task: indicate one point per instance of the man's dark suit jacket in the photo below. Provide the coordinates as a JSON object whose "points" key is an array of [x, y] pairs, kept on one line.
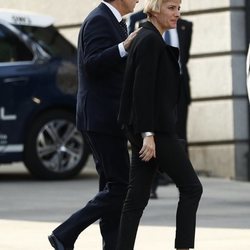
{"points": [[184, 30], [151, 84], [100, 72]]}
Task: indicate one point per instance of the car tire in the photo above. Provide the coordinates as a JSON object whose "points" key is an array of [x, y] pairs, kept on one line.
{"points": [[54, 149]]}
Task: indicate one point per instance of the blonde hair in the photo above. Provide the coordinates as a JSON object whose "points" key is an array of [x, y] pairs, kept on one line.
{"points": [[152, 6]]}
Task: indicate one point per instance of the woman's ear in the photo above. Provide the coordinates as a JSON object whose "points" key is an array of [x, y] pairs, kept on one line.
{"points": [[153, 14]]}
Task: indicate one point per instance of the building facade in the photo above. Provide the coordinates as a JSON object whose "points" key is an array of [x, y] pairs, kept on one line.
{"points": [[218, 125], [218, 122]]}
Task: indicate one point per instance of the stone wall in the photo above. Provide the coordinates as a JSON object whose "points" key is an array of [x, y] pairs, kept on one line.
{"points": [[218, 120]]}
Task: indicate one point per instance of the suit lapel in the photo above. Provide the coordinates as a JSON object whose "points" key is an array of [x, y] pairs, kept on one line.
{"points": [[174, 53], [113, 19], [181, 27]]}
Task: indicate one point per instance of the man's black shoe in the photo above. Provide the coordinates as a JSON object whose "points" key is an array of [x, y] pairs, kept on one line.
{"points": [[56, 243]]}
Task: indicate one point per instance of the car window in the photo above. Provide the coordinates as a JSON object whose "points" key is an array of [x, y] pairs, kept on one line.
{"points": [[12, 49], [51, 41]]}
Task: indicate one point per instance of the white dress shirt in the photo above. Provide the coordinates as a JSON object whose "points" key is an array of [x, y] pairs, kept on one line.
{"points": [[174, 40], [118, 16]]}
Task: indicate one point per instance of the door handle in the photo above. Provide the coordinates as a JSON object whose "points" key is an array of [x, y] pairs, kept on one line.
{"points": [[16, 80]]}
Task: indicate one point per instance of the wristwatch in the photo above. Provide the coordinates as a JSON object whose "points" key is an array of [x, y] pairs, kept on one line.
{"points": [[146, 134]]}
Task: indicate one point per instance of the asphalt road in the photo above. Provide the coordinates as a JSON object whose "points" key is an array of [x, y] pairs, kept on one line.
{"points": [[30, 209]]}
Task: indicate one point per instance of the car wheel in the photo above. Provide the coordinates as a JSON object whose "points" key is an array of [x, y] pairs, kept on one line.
{"points": [[54, 148]]}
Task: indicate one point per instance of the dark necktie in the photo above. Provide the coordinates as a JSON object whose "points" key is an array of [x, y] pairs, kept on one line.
{"points": [[124, 28], [166, 37]]}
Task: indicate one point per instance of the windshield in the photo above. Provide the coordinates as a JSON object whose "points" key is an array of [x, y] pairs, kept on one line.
{"points": [[51, 41]]}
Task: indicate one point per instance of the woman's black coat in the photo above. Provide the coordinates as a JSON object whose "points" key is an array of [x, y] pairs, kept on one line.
{"points": [[151, 84]]}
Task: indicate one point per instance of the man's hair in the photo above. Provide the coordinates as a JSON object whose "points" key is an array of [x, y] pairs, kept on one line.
{"points": [[108, 1]]}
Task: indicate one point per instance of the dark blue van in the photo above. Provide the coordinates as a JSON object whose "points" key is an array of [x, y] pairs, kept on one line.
{"points": [[38, 84]]}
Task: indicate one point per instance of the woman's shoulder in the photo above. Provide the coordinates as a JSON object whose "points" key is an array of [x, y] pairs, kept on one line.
{"points": [[147, 37], [149, 34]]}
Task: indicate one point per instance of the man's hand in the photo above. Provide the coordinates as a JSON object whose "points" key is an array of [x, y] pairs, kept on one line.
{"points": [[129, 39], [148, 148]]}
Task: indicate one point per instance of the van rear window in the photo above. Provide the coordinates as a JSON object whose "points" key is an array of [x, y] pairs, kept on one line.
{"points": [[51, 41]]}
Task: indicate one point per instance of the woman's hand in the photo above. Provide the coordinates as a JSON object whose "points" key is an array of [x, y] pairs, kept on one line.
{"points": [[148, 148]]}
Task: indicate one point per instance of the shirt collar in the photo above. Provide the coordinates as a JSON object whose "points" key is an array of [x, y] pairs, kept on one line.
{"points": [[115, 12]]}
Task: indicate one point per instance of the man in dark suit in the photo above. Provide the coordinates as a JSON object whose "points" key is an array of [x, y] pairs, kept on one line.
{"points": [[136, 17], [102, 46], [184, 31], [182, 40]]}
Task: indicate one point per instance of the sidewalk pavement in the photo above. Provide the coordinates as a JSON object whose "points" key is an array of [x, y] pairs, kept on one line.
{"points": [[23, 235], [223, 220]]}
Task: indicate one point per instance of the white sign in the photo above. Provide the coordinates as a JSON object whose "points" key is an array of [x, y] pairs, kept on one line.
{"points": [[25, 18], [5, 117]]}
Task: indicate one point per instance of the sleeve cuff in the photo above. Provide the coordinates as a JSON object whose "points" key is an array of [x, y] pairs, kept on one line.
{"points": [[145, 134], [122, 50]]}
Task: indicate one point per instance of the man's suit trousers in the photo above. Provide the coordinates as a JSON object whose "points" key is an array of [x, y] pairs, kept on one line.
{"points": [[112, 163]]}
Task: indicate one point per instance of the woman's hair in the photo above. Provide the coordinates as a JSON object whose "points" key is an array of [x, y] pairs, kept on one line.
{"points": [[152, 6]]}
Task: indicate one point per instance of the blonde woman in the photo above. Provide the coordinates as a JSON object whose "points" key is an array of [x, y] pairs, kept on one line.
{"points": [[148, 114]]}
